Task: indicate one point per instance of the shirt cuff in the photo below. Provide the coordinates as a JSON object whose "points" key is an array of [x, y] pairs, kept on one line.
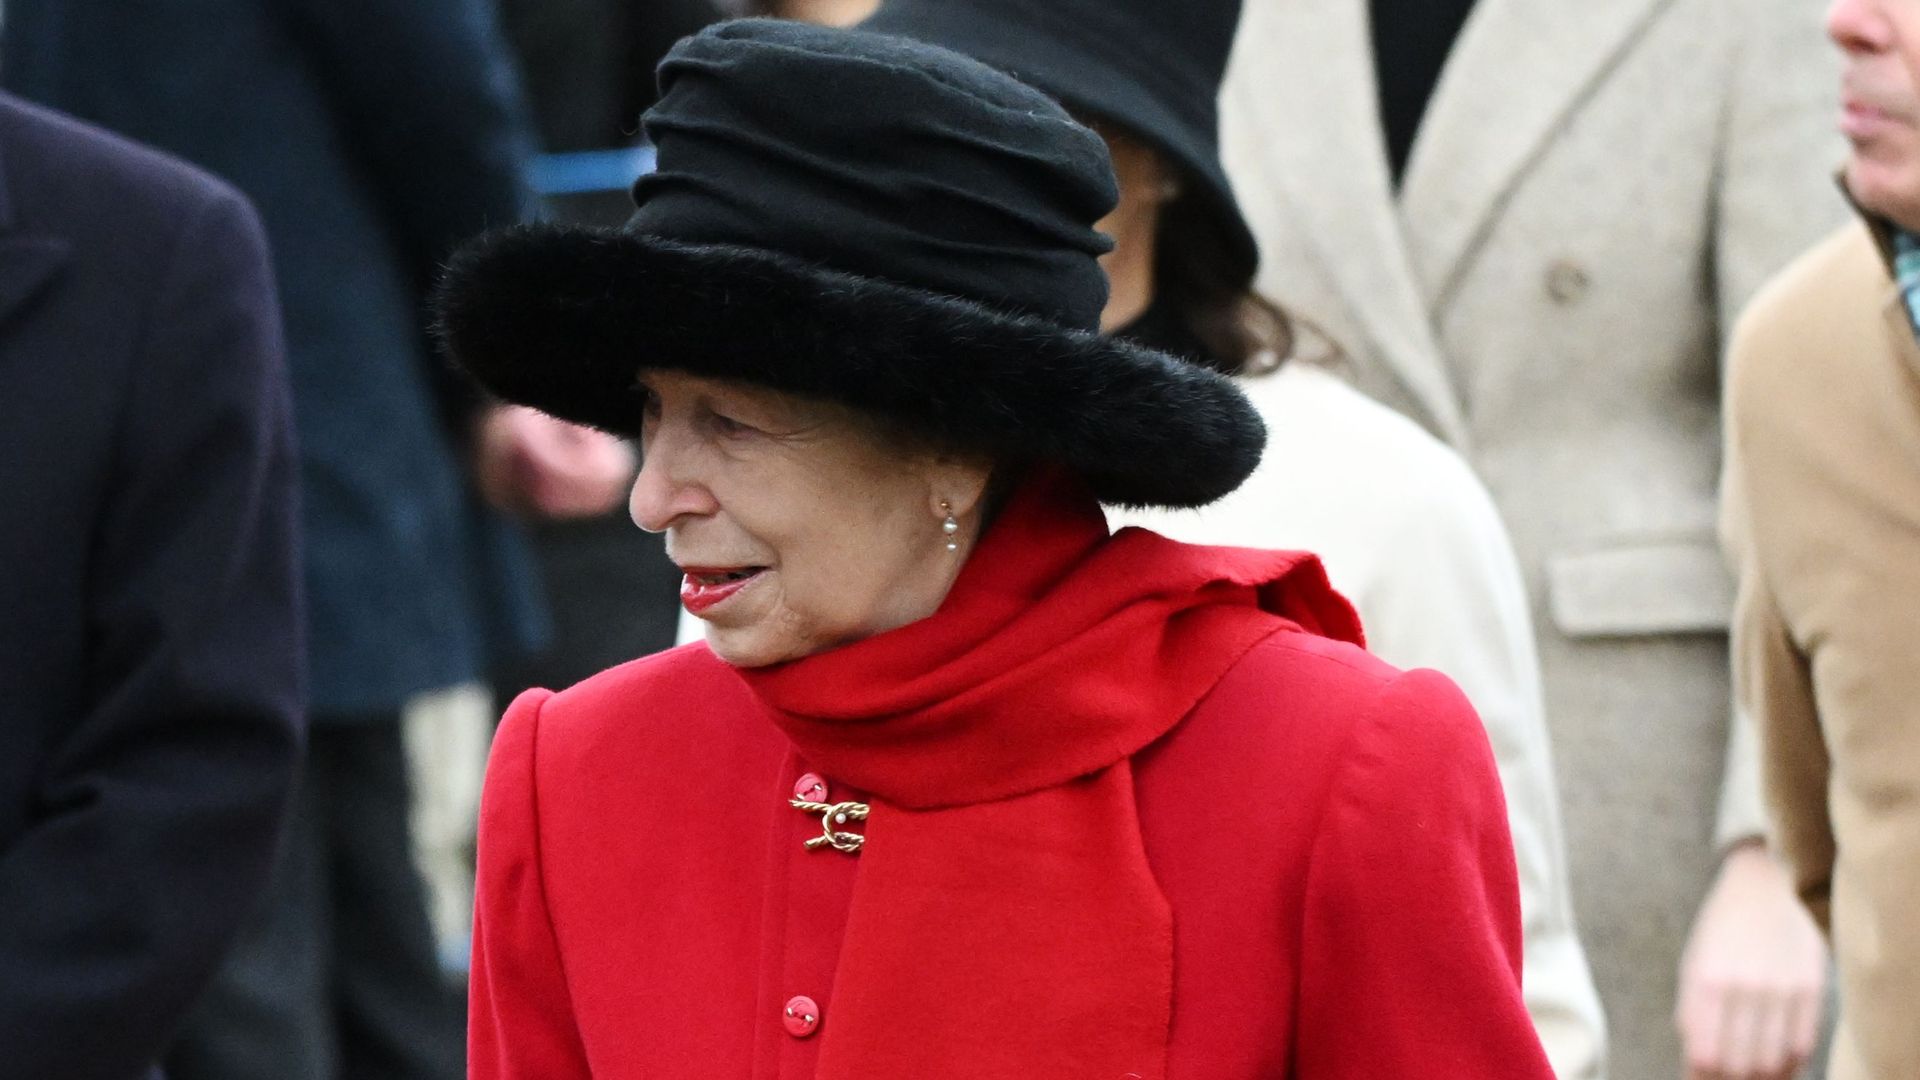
{"points": [[1743, 811]]}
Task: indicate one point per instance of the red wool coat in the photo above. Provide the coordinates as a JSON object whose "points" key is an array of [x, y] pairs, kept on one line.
{"points": [[1325, 833]]}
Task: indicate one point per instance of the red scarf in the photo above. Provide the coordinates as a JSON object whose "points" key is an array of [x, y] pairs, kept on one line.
{"points": [[1006, 925]]}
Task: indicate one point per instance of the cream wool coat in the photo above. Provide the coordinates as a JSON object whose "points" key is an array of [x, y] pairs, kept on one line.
{"points": [[1822, 518], [1596, 189], [1410, 536]]}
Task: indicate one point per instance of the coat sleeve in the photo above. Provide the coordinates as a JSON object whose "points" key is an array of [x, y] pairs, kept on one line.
{"points": [[1447, 594], [154, 818], [1773, 692], [519, 1010], [1411, 941]]}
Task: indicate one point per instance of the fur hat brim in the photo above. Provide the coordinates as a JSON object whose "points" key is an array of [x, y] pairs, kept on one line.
{"points": [[564, 318]]}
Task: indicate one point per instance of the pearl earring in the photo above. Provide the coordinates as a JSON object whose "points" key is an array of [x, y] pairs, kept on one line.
{"points": [[950, 527]]}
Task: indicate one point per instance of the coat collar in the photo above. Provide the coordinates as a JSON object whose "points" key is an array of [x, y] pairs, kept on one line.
{"points": [[1303, 68], [1878, 228], [1528, 63], [27, 261], [1901, 333], [1305, 124]]}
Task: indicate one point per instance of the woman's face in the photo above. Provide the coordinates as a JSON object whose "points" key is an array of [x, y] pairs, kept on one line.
{"points": [[826, 12], [798, 524], [1146, 185]]}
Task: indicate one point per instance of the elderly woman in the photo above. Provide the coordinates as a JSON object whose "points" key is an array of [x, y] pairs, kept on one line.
{"points": [[960, 785]]}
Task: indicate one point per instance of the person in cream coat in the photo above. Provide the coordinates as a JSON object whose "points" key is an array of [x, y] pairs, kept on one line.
{"points": [[1530, 223]]}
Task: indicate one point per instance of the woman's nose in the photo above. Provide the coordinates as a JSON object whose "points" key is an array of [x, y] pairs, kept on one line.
{"points": [[667, 488]]}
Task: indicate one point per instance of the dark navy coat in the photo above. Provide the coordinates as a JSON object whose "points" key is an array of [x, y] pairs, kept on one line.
{"points": [[373, 135], [149, 608]]}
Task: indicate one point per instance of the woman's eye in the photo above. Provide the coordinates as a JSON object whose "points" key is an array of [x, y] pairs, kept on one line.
{"points": [[727, 425]]}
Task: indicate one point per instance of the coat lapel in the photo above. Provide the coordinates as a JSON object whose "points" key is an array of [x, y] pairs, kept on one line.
{"points": [[1900, 329], [1516, 73], [1307, 125]]}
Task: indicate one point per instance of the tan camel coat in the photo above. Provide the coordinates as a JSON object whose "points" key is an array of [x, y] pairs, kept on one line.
{"points": [[1822, 521]]}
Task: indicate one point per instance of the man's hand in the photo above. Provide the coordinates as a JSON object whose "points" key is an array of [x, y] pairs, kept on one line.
{"points": [[530, 463], [1753, 979]]}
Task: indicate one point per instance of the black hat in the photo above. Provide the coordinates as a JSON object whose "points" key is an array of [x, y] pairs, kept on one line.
{"points": [[870, 220], [1152, 67]]}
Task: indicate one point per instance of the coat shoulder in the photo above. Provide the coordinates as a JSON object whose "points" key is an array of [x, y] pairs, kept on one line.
{"points": [[673, 683], [1301, 724], [1335, 726], [681, 712], [1422, 491], [1831, 295], [1305, 681], [85, 178], [1291, 709]]}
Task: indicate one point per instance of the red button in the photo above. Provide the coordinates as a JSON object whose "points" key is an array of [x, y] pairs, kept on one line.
{"points": [[810, 788], [802, 1016]]}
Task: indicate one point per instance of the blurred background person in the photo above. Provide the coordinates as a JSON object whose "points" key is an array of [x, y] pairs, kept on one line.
{"points": [[1531, 222], [587, 65], [1406, 530], [149, 608], [588, 69], [1822, 520], [823, 12], [372, 137]]}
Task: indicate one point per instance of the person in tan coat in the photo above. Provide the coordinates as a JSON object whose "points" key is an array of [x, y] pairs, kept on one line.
{"points": [[1822, 521]]}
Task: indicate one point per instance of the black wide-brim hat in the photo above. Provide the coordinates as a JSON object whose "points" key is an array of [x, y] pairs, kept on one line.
{"points": [[1151, 67], [873, 221]]}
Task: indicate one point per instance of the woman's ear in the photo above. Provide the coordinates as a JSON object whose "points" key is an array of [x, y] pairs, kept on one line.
{"points": [[957, 486]]}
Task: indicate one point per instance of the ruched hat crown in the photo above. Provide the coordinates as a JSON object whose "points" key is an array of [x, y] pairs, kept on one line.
{"points": [[857, 217], [885, 159]]}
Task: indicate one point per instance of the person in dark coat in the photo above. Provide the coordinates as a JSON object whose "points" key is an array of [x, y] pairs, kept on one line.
{"points": [[588, 64], [372, 137], [150, 662]]}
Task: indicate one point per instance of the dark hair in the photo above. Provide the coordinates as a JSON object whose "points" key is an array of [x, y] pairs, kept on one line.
{"points": [[1239, 331]]}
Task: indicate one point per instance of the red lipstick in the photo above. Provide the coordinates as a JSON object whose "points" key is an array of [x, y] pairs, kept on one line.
{"points": [[706, 586]]}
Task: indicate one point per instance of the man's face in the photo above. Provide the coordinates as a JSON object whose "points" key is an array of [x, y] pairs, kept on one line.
{"points": [[1880, 95]]}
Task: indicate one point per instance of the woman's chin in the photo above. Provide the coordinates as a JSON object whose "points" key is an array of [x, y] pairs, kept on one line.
{"points": [[751, 646], [729, 646]]}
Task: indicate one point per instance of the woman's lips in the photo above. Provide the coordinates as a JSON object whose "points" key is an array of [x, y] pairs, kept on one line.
{"points": [[705, 587]]}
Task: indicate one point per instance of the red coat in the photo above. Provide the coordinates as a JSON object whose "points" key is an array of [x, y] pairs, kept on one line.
{"points": [[1327, 833]]}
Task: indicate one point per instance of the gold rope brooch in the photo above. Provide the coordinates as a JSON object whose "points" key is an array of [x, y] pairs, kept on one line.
{"points": [[832, 815]]}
